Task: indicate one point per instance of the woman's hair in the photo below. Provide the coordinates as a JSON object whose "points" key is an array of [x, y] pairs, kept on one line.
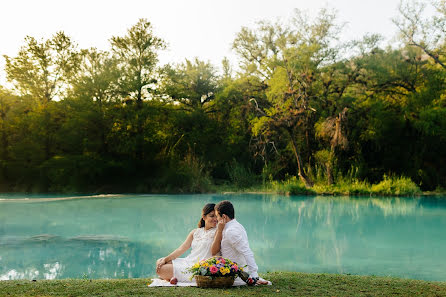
{"points": [[208, 208]]}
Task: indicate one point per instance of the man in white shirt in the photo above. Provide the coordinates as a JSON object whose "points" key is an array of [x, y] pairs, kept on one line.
{"points": [[231, 239]]}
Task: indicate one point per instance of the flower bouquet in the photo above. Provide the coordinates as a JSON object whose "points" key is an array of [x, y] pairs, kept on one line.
{"points": [[216, 272]]}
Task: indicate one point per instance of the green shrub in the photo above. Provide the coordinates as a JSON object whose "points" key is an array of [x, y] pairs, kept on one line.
{"points": [[300, 189], [358, 187], [290, 185], [74, 173], [194, 171], [188, 175], [240, 176], [395, 186]]}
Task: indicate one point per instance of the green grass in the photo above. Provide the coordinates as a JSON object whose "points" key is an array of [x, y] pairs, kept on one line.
{"points": [[284, 284], [389, 186], [396, 186]]}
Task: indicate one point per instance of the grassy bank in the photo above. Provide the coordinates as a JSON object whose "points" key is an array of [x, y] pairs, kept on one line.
{"points": [[284, 284], [389, 186]]}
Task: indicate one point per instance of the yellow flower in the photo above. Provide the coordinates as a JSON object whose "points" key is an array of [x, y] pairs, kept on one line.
{"points": [[196, 265], [218, 261], [223, 270], [205, 264]]}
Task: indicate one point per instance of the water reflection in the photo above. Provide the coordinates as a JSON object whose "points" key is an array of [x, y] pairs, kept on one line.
{"points": [[381, 236], [122, 238], [50, 257]]}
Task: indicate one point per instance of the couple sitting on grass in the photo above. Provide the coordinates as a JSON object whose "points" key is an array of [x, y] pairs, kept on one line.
{"points": [[218, 234]]}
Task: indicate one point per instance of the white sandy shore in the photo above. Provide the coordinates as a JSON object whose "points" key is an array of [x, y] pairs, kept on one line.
{"points": [[61, 198]]}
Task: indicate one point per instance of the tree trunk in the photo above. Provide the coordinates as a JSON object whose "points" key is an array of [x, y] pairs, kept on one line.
{"points": [[139, 127], [139, 136], [44, 181], [330, 164], [4, 154], [47, 140], [104, 147], [330, 179], [305, 179]]}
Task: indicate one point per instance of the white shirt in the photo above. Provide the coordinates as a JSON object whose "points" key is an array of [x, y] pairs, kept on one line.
{"points": [[235, 246]]}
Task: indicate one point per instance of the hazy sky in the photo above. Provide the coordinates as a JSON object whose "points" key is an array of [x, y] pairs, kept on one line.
{"points": [[202, 28]]}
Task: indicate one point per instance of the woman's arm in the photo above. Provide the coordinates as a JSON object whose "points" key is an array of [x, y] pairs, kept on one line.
{"points": [[178, 252], [182, 248]]}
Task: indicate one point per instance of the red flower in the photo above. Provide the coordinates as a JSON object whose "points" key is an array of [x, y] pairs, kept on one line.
{"points": [[213, 269]]}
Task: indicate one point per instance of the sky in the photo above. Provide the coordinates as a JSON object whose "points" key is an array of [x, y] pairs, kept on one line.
{"points": [[192, 28]]}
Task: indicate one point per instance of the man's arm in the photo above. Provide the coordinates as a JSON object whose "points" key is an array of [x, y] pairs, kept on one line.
{"points": [[216, 244], [241, 244]]}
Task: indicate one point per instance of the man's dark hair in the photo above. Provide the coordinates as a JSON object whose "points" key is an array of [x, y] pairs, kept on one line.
{"points": [[225, 207]]}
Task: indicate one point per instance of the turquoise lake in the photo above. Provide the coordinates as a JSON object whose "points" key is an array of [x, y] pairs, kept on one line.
{"points": [[121, 236]]}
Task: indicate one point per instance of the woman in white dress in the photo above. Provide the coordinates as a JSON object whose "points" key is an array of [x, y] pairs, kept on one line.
{"points": [[174, 269]]}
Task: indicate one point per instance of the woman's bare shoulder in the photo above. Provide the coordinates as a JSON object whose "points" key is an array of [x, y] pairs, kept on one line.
{"points": [[194, 231]]}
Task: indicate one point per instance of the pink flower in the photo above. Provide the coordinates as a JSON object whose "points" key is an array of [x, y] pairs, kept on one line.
{"points": [[223, 261], [213, 269], [234, 267]]}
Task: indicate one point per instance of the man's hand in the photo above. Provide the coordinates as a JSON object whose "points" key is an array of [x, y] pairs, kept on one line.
{"points": [[160, 262], [221, 223]]}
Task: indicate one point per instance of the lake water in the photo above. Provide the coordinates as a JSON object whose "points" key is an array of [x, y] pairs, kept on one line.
{"points": [[121, 236]]}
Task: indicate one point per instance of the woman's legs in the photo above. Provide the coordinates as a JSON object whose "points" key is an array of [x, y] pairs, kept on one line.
{"points": [[166, 272]]}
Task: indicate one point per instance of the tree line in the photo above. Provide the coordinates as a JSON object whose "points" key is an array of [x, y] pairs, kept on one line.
{"points": [[300, 102]]}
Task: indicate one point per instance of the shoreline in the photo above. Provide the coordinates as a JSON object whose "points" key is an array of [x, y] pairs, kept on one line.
{"points": [[388, 187], [283, 284], [122, 195], [424, 194]]}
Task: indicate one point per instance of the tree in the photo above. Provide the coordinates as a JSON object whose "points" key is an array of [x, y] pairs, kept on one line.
{"points": [[192, 83], [6, 104], [290, 59], [428, 34], [333, 130], [97, 77], [137, 53], [43, 68], [95, 87]]}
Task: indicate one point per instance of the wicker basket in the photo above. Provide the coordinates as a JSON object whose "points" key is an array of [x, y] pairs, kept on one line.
{"points": [[217, 282]]}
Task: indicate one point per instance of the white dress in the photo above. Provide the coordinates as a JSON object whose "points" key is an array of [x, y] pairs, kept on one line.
{"points": [[201, 249]]}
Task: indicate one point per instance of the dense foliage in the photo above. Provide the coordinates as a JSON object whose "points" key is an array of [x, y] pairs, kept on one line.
{"points": [[302, 104]]}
